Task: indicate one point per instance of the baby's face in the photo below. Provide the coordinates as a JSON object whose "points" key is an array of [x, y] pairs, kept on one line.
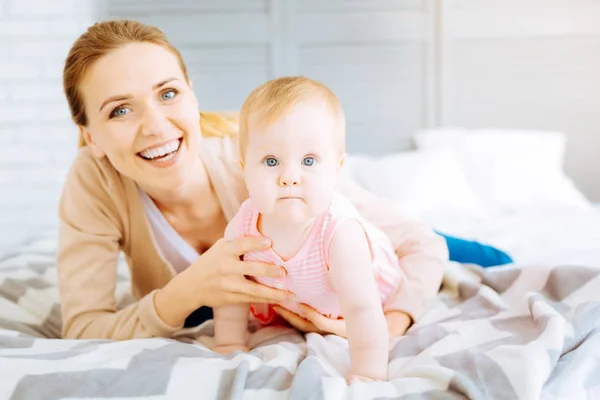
{"points": [[291, 167]]}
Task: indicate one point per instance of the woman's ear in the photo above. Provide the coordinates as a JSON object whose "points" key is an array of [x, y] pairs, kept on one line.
{"points": [[87, 136]]}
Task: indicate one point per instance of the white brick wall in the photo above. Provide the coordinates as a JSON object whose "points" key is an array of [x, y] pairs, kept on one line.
{"points": [[37, 138]]}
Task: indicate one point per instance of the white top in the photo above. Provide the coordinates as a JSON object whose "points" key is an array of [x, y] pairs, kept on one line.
{"points": [[170, 244]]}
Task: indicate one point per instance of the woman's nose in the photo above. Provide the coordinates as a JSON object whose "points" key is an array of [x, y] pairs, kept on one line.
{"points": [[153, 122]]}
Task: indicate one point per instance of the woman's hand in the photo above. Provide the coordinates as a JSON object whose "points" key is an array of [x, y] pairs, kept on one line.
{"points": [[218, 278], [220, 275], [397, 321], [314, 321]]}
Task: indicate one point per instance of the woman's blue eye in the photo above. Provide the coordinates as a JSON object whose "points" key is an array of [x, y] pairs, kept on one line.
{"points": [[271, 162], [168, 95], [119, 112], [308, 161]]}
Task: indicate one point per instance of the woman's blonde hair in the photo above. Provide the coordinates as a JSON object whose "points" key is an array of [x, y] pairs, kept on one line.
{"points": [[269, 101], [105, 36]]}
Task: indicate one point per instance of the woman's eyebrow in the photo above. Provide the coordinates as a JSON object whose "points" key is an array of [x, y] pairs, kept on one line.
{"points": [[114, 98], [162, 83], [120, 97]]}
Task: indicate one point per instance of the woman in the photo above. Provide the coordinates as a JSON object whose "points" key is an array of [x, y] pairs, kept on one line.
{"points": [[153, 182]]}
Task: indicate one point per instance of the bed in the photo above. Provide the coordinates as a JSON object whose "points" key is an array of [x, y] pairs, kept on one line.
{"points": [[526, 330]]}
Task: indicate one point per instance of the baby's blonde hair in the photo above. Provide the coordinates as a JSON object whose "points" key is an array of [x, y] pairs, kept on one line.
{"points": [[268, 102]]}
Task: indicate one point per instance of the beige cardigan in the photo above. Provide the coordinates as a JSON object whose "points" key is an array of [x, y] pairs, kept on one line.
{"points": [[101, 214]]}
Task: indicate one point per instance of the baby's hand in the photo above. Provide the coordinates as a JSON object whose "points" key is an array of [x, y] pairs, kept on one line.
{"points": [[352, 378], [230, 348]]}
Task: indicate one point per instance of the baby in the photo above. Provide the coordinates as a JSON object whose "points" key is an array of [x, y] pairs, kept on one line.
{"points": [[292, 147]]}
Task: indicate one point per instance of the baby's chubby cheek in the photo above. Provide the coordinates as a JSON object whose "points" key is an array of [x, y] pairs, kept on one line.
{"points": [[262, 199], [262, 196]]}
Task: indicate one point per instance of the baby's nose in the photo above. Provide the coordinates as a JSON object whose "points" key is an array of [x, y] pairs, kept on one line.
{"points": [[289, 181]]}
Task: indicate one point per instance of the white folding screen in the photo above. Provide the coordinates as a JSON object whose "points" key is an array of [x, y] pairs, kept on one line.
{"points": [[378, 57]]}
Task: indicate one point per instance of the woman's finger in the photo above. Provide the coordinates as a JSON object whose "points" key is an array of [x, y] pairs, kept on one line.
{"points": [[257, 290], [257, 268], [295, 320], [246, 244], [246, 298], [323, 323]]}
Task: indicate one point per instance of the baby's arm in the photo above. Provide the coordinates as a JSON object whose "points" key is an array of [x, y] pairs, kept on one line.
{"points": [[360, 303], [231, 322], [231, 328]]}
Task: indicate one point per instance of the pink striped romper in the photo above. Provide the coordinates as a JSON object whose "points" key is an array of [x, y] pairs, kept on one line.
{"points": [[307, 271]]}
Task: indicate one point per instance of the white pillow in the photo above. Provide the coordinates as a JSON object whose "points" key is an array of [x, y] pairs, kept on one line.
{"points": [[510, 169], [426, 184]]}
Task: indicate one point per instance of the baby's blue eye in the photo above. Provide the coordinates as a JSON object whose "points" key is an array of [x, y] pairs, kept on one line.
{"points": [[271, 162], [308, 161], [168, 95]]}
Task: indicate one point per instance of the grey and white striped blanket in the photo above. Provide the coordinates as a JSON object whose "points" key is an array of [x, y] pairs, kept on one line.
{"points": [[503, 333]]}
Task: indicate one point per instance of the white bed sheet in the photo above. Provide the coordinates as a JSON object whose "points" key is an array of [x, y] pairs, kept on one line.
{"points": [[535, 236], [502, 332]]}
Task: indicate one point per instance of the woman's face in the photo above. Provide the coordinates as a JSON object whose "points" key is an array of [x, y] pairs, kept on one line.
{"points": [[142, 115]]}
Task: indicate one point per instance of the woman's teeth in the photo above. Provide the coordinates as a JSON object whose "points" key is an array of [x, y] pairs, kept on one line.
{"points": [[168, 149]]}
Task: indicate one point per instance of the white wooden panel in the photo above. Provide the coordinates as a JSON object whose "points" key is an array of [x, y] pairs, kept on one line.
{"points": [[378, 57], [212, 30], [361, 27], [515, 81], [516, 4], [526, 20], [342, 6], [223, 76], [152, 7]]}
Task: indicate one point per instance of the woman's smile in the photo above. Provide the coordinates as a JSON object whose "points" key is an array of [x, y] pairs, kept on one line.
{"points": [[163, 155]]}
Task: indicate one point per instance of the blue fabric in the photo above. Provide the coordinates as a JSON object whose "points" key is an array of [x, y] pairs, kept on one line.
{"points": [[471, 252]]}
